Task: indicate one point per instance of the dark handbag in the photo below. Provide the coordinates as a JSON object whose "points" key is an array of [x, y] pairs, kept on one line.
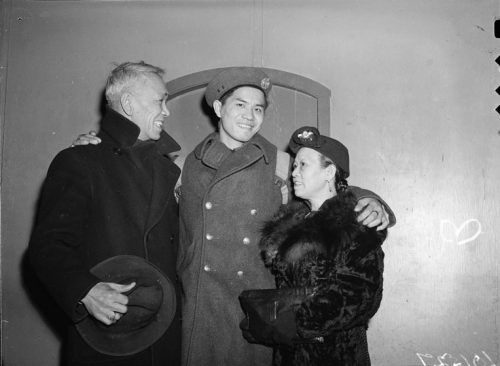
{"points": [[270, 315]]}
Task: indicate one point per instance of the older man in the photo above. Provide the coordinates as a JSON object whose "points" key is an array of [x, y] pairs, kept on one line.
{"points": [[229, 188], [115, 198]]}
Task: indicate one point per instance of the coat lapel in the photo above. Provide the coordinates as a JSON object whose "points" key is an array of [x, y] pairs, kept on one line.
{"points": [[162, 189], [165, 173], [225, 162], [239, 160]]}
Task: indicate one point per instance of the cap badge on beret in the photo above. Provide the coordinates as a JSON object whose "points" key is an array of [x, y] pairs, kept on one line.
{"points": [[307, 137], [264, 83]]}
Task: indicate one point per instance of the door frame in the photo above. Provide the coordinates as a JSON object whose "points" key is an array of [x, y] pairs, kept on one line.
{"points": [[321, 93]]}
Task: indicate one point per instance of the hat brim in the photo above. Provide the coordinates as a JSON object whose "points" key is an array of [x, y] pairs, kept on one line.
{"points": [[123, 269]]}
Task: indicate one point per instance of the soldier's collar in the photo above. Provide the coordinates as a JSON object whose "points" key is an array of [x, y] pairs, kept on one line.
{"points": [[218, 151]]}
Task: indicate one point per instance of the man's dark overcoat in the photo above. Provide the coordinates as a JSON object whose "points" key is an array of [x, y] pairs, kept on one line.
{"points": [[105, 200]]}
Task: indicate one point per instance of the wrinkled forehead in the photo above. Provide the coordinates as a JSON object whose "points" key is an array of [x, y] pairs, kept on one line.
{"points": [[152, 83], [306, 153]]}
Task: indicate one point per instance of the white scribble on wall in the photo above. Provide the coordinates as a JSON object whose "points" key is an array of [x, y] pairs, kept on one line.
{"points": [[447, 359], [461, 235]]}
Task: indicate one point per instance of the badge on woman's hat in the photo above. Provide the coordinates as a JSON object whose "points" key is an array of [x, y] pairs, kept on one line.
{"points": [[310, 137], [305, 137], [150, 310]]}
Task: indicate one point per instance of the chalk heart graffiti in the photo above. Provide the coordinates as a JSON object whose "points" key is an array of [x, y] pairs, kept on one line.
{"points": [[447, 359], [465, 233]]}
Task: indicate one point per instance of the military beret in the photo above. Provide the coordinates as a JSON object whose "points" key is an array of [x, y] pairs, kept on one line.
{"points": [[331, 148], [236, 76]]}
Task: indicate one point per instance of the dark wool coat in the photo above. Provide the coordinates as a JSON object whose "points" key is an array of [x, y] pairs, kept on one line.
{"points": [[343, 262], [105, 200]]}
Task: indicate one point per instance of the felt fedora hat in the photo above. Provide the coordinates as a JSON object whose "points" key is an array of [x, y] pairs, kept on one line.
{"points": [[150, 310]]}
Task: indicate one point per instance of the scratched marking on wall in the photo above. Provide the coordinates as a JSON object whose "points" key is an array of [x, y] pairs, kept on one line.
{"points": [[465, 233], [446, 359]]}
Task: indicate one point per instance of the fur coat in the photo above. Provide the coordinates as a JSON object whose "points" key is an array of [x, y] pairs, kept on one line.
{"points": [[343, 262]]}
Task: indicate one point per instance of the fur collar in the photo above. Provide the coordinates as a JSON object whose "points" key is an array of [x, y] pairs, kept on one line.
{"points": [[293, 233]]}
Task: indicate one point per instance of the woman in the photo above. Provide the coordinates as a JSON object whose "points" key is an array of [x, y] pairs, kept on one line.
{"points": [[319, 246]]}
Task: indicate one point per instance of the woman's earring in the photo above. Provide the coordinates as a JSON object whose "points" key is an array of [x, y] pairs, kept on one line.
{"points": [[330, 186]]}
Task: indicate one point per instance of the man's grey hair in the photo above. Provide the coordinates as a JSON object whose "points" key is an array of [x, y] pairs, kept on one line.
{"points": [[124, 76]]}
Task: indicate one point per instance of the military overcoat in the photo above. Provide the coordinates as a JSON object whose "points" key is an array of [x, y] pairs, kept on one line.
{"points": [[226, 196]]}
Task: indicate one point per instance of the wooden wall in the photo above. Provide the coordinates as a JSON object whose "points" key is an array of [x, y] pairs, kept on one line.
{"points": [[413, 97]]}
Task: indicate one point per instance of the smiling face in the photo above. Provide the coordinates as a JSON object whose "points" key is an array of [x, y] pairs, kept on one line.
{"points": [[148, 106], [310, 178], [241, 116]]}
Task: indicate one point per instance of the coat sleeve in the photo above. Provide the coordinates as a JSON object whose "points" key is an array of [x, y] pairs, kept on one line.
{"points": [[55, 247], [185, 252], [346, 295], [360, 193]]}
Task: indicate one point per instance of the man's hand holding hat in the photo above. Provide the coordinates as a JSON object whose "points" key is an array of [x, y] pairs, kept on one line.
{"points": [[106, 302], [142, 296]]}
